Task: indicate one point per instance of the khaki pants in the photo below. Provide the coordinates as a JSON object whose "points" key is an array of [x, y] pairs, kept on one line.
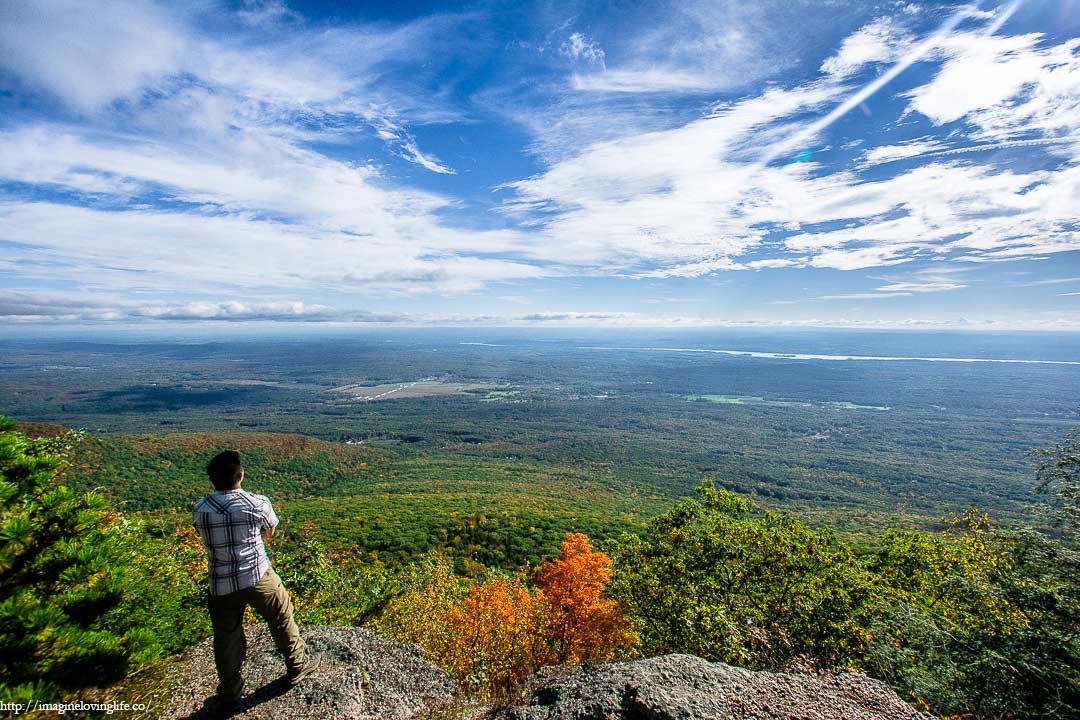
{"points": [[269, 599]]}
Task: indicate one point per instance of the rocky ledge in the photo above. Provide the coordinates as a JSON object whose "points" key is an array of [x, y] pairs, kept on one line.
{"points": [[685, 687], [365, 676], [362, 676]]}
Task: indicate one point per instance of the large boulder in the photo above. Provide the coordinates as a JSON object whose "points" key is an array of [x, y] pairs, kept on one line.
{"points": [[684, 687], [362, 676]]}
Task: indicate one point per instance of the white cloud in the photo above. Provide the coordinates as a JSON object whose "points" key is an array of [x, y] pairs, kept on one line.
{"points": [[693, 201], [430, 162], [702, 197], [672, 197], [900, 288], [1050, 281], [88, 54], [890, 153], [879, 42], [395, 135], [252, 172], [204, 252], [666, 300], [692, 270], [18, 306], [864, 296], [178, 80], [579, 47], [775, 263], [645, 80], [245, 195], [1004, 85], [921, 287], [698, 47]]}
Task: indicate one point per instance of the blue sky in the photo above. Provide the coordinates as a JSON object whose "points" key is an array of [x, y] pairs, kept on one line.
{"points": [[826, 163]]}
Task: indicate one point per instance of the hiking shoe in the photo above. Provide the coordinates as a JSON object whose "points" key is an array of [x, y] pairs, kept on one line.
{"points": [[221, 706], [227, 702], [312, 664]]}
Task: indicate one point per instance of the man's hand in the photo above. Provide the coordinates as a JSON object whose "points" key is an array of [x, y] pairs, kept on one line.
{"points": [[267, 534]]}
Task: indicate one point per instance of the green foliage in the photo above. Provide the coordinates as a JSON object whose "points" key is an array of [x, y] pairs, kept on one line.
{"points": [[977, 621], [397, 505], [85, 595], [972, 621], [1058, 474], [716, 579], [331, 586], [55, 584], [162, 575]]}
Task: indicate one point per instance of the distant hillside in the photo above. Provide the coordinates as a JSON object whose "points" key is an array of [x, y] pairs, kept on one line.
{"points": [[40, 429], [149, 472], [394, 502]]}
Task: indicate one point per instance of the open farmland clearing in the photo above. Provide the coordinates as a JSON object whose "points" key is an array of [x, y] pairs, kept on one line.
{"points": [[414, 389]]}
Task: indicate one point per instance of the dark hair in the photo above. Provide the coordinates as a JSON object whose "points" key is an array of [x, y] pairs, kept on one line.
{"points": [[224, 470]]}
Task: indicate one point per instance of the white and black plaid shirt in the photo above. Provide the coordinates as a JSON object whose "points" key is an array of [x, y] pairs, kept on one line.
{"points": [[231, 524]]}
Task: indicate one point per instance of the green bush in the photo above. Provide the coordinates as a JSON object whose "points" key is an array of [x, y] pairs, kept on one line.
{"points": [[978, 621], [85, 594], [331, 586], [716, 579]]}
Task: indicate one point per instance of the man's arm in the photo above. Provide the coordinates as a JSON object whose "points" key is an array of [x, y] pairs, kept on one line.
{"points": [[270, 521]]}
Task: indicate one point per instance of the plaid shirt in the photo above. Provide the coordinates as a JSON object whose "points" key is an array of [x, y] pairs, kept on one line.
{"points": [[231, 525]]}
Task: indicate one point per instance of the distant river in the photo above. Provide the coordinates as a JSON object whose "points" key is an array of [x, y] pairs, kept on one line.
{"points": [[805, 356]]}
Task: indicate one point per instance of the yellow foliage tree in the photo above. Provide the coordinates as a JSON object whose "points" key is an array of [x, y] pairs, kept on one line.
{"points": [[419, 614]]}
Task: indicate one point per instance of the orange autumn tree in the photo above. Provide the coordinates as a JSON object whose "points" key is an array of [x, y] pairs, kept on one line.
{"points": [[503, 630], [495, 636], [579, 622]]}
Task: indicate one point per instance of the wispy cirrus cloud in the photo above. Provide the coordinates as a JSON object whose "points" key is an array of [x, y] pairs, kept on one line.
{"points": [[579, 47], [173, 151], [864, 296], [881, 41], [36, 307], [186, 145], [693, 201]]}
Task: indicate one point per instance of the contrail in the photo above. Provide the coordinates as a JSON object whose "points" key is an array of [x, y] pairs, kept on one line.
{"points": [[808, 133], [979, 148]]}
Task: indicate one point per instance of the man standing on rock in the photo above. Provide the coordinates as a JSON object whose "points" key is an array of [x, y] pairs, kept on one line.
{"points": [[234, 524]]}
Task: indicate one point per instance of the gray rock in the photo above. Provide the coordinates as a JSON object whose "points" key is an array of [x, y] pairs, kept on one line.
{"points": [[362, 676], [684, 687]]}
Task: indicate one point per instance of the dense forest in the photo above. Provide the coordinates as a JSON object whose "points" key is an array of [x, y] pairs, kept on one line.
{"points": [[857, 445]]}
